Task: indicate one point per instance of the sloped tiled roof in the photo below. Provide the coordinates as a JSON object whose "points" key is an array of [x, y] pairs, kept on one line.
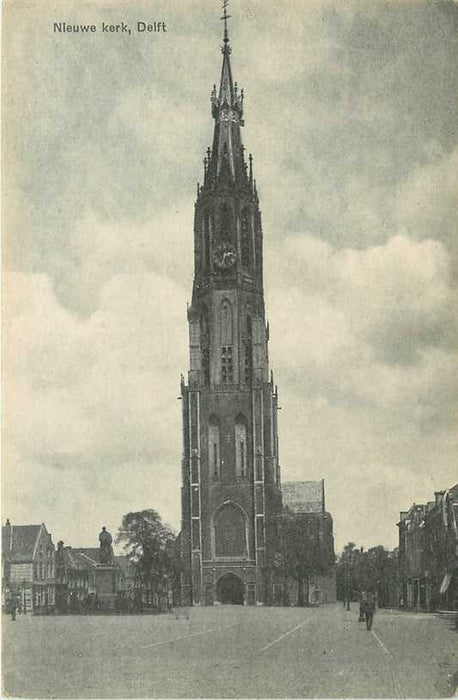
{"points": [[85, 558], [73, 559], [91, 555], [303, 496], [18, 542]]}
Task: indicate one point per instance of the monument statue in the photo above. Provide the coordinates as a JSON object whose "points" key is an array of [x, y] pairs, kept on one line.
{"points": [[106, 550]]}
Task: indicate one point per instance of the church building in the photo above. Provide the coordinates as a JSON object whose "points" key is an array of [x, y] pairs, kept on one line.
{"points": [[231, 496]]}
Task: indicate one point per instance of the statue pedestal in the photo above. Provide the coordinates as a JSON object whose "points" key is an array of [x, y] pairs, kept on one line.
{"points": [[106, 586]]}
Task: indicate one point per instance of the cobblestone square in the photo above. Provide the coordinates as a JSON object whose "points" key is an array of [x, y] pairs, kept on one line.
{"points": [[231, 651]]}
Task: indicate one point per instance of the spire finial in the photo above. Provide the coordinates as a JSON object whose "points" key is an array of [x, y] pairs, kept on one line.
{"points": [[225, 17]]}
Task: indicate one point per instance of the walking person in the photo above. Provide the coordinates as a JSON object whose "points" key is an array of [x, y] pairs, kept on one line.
{"points": [[13, 607], [369, 610]]}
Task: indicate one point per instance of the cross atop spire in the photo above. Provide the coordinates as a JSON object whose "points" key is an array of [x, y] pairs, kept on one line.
{"points": [[226, 159], [225, 17]]}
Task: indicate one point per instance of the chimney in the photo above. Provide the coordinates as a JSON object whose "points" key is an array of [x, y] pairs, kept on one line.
{"points": [[59, 555], [9, 534]]}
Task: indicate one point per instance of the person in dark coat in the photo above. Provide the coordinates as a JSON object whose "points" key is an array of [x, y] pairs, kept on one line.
{"points": [[369, 610]]}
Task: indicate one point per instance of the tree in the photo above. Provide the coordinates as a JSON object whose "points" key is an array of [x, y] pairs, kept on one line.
{"points": [[385, 575], [372, 570], [149, 546], [304, 551], [349, 568]]}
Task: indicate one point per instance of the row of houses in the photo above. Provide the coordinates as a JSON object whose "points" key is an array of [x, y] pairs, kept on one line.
{"points": [[428, 553], [39, 578]]}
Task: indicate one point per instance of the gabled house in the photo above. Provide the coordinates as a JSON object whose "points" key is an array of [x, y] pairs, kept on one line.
{"points": [[441, 550], [411, 557], [28, 567], [75, 581], [84, 583]]}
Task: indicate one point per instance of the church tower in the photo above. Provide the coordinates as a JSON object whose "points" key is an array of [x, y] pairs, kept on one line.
{"points": [[230, 470]]}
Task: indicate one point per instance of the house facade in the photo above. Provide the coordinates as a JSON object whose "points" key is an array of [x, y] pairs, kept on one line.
{"points": [[441, 550], [75, 581], [428, 553], [28, 567], [84, 583], [106, 579], [412, 570]]}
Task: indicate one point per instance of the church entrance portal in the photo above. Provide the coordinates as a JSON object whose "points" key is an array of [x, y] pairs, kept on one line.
{"points": [[229, 590]]}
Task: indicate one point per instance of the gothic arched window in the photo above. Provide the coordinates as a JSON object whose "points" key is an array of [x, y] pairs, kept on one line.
{"points": [[246, 239], [241, 447], [230, 532], [226, 331], [248, 347], [214, 448], [225, 223], [225, 318], [205, 344], [207, 240]]}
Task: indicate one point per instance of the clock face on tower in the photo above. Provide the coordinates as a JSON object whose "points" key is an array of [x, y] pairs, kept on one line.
{"points": [[224, 256]]}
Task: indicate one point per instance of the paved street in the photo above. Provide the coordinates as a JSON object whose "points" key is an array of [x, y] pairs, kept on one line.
{"points": [[230, 651]]}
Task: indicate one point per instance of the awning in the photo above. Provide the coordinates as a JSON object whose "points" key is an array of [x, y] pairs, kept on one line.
{"points": [[445, 583]]}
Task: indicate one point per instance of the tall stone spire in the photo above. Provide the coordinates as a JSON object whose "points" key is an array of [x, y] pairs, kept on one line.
{"points": [[226, 158], [228, 233]]}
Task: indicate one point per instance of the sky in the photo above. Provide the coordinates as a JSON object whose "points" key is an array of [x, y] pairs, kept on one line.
{"points": [[351, 116]]}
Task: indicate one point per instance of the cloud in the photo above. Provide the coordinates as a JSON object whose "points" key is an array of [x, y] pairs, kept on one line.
{"points": [[427, 200], [351, 113], [360, 343], [104, 248], [396, 298], [90, 399]]}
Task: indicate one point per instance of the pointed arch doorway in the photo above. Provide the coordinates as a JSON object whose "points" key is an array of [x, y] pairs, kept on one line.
{"points": [[230, 590]]}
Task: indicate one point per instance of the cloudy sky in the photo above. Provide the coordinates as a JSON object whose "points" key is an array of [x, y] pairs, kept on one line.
{"points": [[351, 115]]}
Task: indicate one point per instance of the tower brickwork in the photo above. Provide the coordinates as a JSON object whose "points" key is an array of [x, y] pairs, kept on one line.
{"points": [[230, 467]]}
